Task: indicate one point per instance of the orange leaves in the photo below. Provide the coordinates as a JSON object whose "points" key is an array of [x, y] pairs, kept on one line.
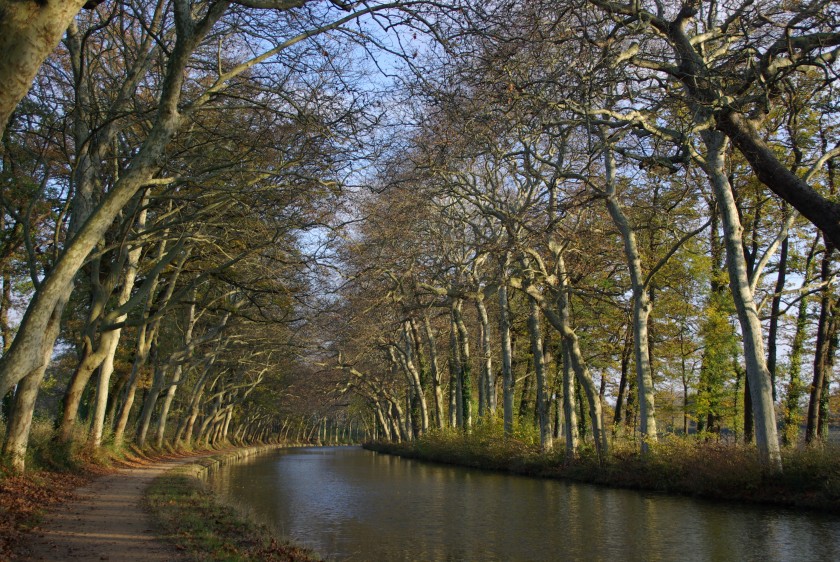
{"points": [[25, 499]]}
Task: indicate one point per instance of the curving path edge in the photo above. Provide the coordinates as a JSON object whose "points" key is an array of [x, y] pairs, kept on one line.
{"points": [[107, 521]]}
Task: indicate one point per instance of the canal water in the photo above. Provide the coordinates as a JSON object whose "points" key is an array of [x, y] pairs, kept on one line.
{"points": [[351, 504]]}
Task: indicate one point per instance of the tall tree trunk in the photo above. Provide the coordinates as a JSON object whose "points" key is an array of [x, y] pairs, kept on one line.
{"points": [[578, 363], [90, 360], [417, 371], [641, 306], [6, 333], [435, 371], [29, 32], [486, 379], [775, 314], [619, 416], [149, 403], [569, 411], [465, 379], [456, 413], [145, 339], [20, 424], [508, 380], [758, 377], [823, 359], [537, 352], [560, 318], [107, 367], [792, 412], [383, 423]]}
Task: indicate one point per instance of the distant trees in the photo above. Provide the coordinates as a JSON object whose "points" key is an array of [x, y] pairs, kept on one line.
{"points": [[156, 183], [539, 112], [583, 209]]}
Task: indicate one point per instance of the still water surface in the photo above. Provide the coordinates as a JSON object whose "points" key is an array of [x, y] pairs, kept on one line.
{"points": [[352, 504]]}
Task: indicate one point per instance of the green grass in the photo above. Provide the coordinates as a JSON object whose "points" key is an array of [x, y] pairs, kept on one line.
{"points": [[688, 466], [192, 517]]}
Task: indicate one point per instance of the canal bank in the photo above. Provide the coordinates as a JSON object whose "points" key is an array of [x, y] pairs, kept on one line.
{"points": [[203, 527], [111, 516], [354, 504], [714, 471]]}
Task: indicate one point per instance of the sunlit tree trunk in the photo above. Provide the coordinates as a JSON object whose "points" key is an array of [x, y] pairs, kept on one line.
{"points": [[557, 313], [398, 421], [107, 367], [176, 377], [147, 335], [562, 323], [538, 356], [437, 392], [383, 423], [570, 426], [141, 356], [508, 380], [23, 406], [487, 382], [91, 359], [465, 378], [758, 377], [414, 347], [456, 410], [402, 358], [29, 31], [641, 306]]}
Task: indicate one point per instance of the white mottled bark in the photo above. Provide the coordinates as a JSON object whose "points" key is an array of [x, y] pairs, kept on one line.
{"points": [[539, 368], [507, 365], [435, 371], [29, 32], [758, 376], [570, 427], [641, 306], [487, 382], [113, 336]]}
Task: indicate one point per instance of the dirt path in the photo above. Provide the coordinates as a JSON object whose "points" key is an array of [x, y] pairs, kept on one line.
{"points": [[106, 522]]}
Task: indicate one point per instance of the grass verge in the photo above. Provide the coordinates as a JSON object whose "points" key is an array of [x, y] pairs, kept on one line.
{"points": [[811, 477], [55, 470], [190, 515]]}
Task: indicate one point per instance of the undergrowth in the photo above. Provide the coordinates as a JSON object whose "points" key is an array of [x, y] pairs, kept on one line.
{"points": [[690, 466]]}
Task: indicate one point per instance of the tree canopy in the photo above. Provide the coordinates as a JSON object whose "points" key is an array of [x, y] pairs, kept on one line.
{"points": [[593, 221]]}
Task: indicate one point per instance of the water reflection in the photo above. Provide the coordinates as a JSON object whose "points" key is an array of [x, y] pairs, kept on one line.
{"points": [[352, 504]]}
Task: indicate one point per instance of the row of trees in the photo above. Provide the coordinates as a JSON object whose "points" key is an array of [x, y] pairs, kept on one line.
{"points": [[160, 185], [620, 206]]}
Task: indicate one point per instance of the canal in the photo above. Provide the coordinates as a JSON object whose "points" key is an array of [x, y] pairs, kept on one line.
{"points": [[352, 504]]}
